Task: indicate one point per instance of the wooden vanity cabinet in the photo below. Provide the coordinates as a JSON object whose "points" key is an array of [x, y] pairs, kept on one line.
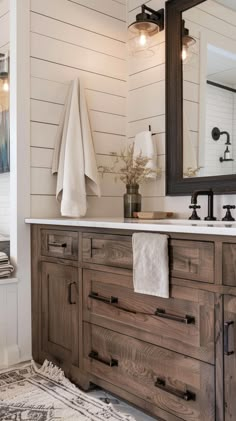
{"points": [[174, 358]]}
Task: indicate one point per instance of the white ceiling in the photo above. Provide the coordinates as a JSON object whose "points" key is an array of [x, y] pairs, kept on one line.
{"points": [[221, 66], [227, 3]]}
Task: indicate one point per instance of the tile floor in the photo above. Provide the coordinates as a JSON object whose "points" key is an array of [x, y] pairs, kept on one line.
{"points": [[120, 405]]}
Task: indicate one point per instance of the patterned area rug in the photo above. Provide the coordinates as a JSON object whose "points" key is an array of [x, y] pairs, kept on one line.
{"points": [[31, 394]]}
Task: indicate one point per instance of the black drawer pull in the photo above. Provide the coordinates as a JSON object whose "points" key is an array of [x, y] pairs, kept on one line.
{"points": [[186, 320], [59, 245], [186, 396], [70, 293], [226, 337], [96, 296], [94, 355]]}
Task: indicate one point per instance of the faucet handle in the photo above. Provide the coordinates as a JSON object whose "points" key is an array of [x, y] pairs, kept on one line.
{"points": [[194, 215], [228, 216]]}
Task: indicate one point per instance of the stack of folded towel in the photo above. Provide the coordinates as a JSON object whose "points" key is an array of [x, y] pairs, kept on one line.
{"points": [[5, 267]]}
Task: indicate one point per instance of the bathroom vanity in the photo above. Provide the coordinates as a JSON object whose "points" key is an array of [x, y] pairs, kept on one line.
{"points": [[174, 358]]}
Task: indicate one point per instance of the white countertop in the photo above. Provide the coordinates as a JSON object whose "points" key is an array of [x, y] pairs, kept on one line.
{"points": [[162, 225]]}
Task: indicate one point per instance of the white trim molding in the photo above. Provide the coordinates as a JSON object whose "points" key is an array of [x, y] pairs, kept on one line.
{"points": [[20, 167]]}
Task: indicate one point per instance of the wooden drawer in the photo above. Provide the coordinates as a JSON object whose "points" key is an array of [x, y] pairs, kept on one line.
{"points": [[192, 260], [183, 323], [229, 264], [180, 385], [56, 243], [110, 250]]}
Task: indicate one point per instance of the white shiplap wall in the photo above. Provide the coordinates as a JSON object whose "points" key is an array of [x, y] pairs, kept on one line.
{"points": [[85, 39], [4, 178], [146, 99]]}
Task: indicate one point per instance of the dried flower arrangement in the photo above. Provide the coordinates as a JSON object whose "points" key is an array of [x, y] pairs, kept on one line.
{"points": [[134, 170]]}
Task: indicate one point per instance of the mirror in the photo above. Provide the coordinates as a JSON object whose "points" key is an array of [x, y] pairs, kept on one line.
{"points": [[204, 59]]}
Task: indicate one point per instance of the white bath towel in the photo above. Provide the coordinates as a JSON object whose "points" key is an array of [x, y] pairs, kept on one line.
{"points": [[151, 264], [145, 144], [74, 159]]}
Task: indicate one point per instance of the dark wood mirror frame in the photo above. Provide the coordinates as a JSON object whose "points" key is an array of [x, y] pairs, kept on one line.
{"points": [[176, 185]]}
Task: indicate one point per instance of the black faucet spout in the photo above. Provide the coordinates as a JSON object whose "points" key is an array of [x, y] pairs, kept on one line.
{"points": [[210, 194]]}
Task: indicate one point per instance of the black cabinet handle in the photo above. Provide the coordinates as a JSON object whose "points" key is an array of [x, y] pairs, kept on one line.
{"points": [[96, 296], [186, 320], [186, 396], [226, 337], [95, 356], [59, 245], [70, 293]]}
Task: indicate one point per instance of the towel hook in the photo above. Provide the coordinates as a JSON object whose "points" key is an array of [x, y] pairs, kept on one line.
{"points": [[150, 129]]}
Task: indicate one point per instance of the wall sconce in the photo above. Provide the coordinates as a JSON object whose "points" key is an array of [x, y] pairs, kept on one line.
{"points": [[216, 134], [148, 23], [187, 42], [4, 71]]}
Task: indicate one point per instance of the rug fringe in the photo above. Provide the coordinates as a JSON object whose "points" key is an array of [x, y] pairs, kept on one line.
{"points": [[50, 370]]}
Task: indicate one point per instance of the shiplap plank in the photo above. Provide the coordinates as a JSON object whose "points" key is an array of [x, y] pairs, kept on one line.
{"points": [[42, 181], [56, 93], [51, 50], [82, 17], [4, 30], [144, 102], [140, 63], [43, 135], [45, 112], [191, 112], [211, 22], [108, 7], [77, 36], [106, 144], [49, 113], [215, 9], [108, 123], [63, 74], [191, 91], [41, 158], [153, 75], [50, 91], [4, 7], [43, 206]]}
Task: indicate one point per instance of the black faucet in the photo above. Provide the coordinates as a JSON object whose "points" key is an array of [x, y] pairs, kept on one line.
{"points": [[209, 193]]}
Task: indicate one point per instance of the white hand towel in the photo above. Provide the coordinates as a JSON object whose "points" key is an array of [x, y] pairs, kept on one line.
{"points": [[151, 264], [145, 144], [74, 158]]}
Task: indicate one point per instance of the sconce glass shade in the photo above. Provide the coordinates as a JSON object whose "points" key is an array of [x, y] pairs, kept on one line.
{"points": [[145, 26], [140, 35], [187, 43]]}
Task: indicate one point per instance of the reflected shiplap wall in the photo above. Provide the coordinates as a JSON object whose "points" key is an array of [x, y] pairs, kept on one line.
{"points": [[4, 178], [70, 39]]}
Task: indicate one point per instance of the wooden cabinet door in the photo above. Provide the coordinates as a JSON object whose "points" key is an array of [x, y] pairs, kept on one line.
{"points": [[59, 315], [230, 357]]}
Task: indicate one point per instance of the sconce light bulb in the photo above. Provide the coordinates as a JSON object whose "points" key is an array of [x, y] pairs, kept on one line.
{"points": [[5, 86], [143, 39], [184, 53]]}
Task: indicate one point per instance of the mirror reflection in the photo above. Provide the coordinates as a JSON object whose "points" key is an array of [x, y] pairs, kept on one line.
{"points": [[209, 89]]}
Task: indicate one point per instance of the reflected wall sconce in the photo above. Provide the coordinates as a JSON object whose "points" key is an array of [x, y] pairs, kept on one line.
{"points": [[216, 134], [4, 71], [148, 23], [187, 42]]}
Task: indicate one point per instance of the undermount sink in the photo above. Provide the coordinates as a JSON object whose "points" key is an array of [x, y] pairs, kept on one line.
{"points": [[197, 223]]}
